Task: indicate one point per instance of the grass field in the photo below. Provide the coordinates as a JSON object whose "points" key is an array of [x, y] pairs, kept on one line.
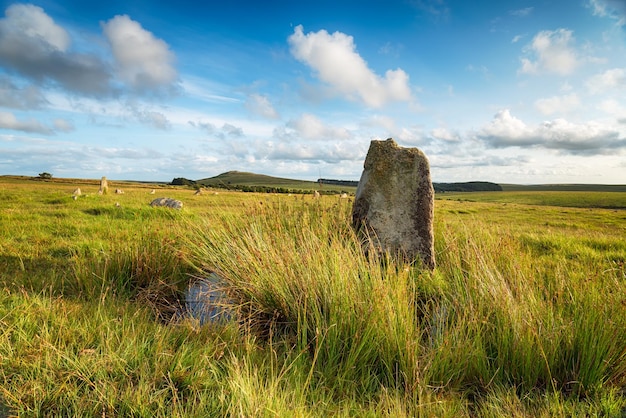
{"points": [[524, 316]]}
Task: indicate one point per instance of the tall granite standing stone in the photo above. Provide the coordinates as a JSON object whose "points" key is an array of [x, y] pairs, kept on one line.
{"points": [[104, 186], [394, 204]]}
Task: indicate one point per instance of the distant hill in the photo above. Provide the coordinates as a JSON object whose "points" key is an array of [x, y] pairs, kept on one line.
{"points": [[259, 182], [470, 186], [262, 183]]}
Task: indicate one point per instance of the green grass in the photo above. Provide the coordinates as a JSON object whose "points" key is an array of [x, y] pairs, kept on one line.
{"points": [[525, 314], [577, 199]]}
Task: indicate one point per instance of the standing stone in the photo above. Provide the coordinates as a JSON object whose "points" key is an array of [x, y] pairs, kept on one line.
{"points": [[77, 192], [104, 186], [394, 204]]}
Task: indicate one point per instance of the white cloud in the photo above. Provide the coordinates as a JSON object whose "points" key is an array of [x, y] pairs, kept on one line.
{"points": [[612, 107], [9, 121], [552, 53], [232, 130], [505, 130], [380, 121], [63, 125], [144, 62], [260, 105], [32, 45], [445, 134], [336, 62], [615, 9], [17, 97], [522, 12], [30, 21], [151, 118], [310, 127], [332, 152], [227, 130], [608, 80], [516, 38], [558, 104]]}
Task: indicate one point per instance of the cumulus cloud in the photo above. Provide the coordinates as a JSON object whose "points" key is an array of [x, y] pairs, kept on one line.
{"points": [[143, 62], [558, 104], [329, 152], [445, 134], [261, 106], [334, 59], [310, 139], [505, 130], [551, 52], [608, 80], [16, 97], [9, 121], [34, 46], [309, 127]]}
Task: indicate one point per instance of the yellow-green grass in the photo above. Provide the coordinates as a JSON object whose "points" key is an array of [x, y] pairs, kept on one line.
{"points": [[523, 316], [578, 199]]}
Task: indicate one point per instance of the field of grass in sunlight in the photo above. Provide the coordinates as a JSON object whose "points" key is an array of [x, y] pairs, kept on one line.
{"points": [[525, 314]]}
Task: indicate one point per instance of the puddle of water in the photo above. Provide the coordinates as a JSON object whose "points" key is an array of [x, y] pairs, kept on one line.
{"points": [[206, 301]]}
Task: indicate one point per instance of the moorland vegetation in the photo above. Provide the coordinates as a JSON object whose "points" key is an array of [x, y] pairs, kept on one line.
{"points": [[524, 316]]}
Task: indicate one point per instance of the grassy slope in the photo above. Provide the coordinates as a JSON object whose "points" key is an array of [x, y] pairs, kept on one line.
{"points": [[523, 317], [251, 179]]}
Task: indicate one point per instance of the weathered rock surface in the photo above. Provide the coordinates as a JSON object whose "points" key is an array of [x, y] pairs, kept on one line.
{"points": [[167, 202], [394, 204], [104, 186]]}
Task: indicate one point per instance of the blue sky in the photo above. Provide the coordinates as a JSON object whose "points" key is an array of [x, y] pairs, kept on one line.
{"points": [[512, 92]]}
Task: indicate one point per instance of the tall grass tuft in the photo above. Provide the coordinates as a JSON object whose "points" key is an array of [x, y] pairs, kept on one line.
{"points": [[148, 270], [490, 317], [299, 272]]}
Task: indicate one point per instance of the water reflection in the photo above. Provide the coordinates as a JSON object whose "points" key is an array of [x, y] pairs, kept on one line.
{"points": [[206, 301]]}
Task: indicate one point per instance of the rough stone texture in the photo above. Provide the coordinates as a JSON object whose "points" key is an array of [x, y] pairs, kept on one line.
{"points": [[394, 204], [104, 186], [167, 202]]}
